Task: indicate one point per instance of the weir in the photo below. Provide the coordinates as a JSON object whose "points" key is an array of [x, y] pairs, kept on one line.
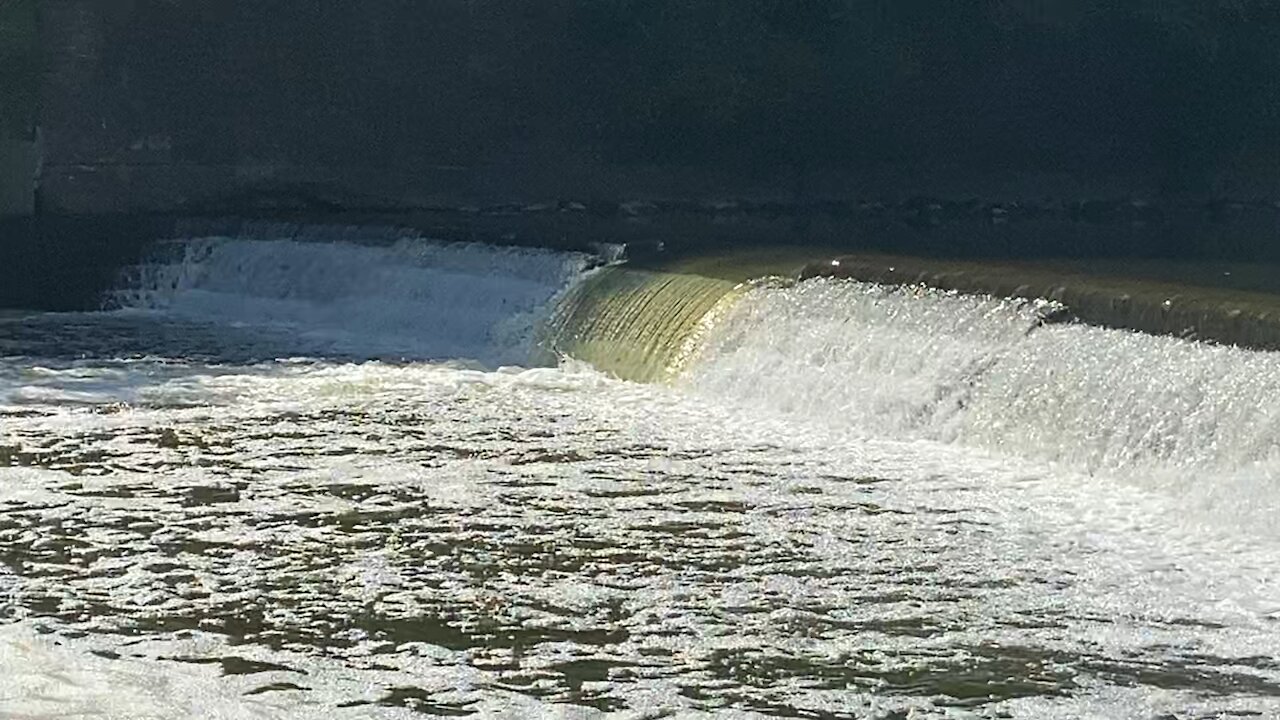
{"points": [[821, 359], [643, 321], [967, 354], [640, 321], [877, 346], [635, 324], [1204, 308]]}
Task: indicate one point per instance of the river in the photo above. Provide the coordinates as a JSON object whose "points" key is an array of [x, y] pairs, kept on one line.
{"points": [[276, 479]]}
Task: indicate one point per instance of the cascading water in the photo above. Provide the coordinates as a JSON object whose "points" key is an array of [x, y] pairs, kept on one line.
{"points": [[918, 363], [252, 489], [876, 361], [412, 299]]}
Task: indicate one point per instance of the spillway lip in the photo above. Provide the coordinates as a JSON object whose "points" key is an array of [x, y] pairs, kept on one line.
{"points": [[1125, 296], [645, 319], [1120, 300], [638, 321]]}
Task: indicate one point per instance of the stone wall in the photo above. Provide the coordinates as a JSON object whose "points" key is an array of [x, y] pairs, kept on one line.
{"points": [[644, 321], [18, 84], [500, 122], [156, 105], [17, 174]]}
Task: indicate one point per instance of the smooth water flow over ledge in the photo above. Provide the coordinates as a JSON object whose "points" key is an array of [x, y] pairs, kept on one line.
{"points": [[1178, 299], [282, 479], [908, 360]]}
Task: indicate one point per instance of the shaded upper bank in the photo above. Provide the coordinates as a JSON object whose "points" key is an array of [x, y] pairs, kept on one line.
{"points": [[146, 105], [986, 130], [66, 262]]}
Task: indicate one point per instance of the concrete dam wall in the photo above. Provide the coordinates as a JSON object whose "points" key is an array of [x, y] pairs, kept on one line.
{"points": [[19, 84], [647, 321], [574, 123], [454, 107]]}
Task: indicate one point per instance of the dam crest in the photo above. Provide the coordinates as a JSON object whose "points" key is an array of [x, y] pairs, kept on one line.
{"points": [[901, 354]]}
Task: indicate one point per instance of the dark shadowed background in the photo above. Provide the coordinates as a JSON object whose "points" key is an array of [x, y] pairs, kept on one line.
{"points": [[924, 110]]}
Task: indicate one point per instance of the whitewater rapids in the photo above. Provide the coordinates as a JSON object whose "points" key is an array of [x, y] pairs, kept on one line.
{"points": [[278, 479]]}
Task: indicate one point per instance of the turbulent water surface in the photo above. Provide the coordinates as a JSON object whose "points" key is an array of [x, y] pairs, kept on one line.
{"points": [[295, 480]]}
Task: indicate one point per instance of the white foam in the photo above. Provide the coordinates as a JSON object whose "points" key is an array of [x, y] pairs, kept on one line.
{"points": [[47, 677], [1045, 563], [818, 413], [1201, 420], [414, 298]]}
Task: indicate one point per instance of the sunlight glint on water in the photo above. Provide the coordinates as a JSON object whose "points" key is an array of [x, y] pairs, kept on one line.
{"points": [[1201, 421], [856, 503]]}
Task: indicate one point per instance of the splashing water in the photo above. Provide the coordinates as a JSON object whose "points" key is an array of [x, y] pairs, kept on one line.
{"points": [[414, 298], [842, 509], [1201, 420]]}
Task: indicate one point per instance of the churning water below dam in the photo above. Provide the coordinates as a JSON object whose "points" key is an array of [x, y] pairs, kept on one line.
{"points": [[275, 479]]}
